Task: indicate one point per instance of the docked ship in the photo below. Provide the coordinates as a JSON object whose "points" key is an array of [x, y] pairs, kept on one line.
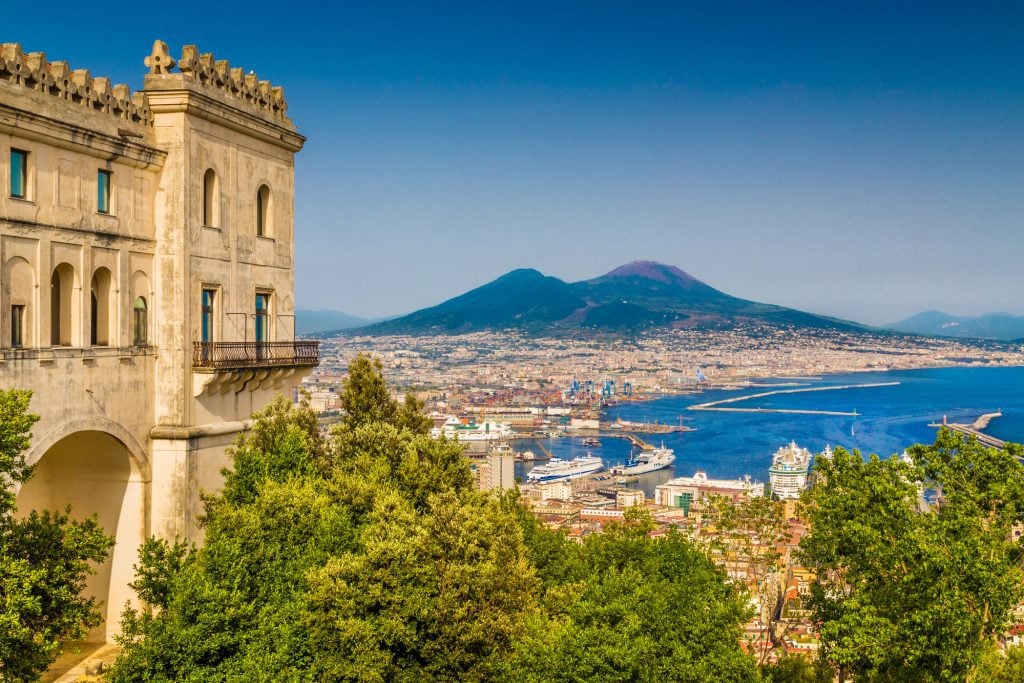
{"points": [[558, 469], [788, 473], [647, 461], [485, 431]]}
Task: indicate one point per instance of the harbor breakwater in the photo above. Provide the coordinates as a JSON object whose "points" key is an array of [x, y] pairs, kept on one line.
{"points": [[718, 405], [893, 415]]}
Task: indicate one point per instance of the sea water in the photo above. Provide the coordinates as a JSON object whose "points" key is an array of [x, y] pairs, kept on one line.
{"points": [[728, 445]]}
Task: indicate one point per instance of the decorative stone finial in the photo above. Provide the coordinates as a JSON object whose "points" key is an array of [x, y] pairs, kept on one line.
{"points": [[161, 61]]}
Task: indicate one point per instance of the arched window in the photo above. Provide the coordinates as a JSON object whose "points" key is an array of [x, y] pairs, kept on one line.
{"points": [[63, 311], [140, 322], [211, 205], [101, 320], [19, 290], [263, 211]]}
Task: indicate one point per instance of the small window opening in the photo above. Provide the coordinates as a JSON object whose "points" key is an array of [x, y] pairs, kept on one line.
{"points": [[103, 191], [140, 322], [19, 173]]}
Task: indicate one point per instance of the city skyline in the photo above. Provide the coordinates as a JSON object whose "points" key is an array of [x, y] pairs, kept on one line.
{"points": [[858, 164]]}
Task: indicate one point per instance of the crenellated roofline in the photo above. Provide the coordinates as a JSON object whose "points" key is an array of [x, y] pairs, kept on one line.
{"points": [[33, 70]]}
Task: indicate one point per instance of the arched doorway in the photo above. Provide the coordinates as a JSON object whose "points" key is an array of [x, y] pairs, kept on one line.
{"points": [[63, 307], [103, 305], [95, 473]]}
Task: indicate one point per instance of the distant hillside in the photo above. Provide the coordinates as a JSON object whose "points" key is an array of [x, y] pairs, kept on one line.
{"points": [[311, 322], [997, 326], [633, 297]]}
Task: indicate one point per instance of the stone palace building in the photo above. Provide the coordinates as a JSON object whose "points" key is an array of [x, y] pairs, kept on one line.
{"points": [[146, 284]]}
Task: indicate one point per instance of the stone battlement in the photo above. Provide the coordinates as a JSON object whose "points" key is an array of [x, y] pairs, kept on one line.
{"points": [[77, 86], [218, 76]]}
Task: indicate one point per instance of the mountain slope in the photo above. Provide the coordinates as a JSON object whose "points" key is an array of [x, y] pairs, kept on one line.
{"points": [[631, 298], [997, 326], [522, 298]]}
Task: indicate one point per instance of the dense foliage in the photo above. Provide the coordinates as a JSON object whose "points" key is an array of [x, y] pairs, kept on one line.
{"points": [[623, 607], [369, 556], [909, 591], [45, 557]]}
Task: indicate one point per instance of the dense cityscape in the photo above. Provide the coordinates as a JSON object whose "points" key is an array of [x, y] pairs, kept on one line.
{"points": [[526, 370]]}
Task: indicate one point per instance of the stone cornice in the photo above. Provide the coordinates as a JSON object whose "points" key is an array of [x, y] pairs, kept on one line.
{"points": [[174, 432], [35, 126], [166, 98], [22, 228]]}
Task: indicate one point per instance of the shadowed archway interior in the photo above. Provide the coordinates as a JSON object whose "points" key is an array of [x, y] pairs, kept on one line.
{"points": [[95, 474]]}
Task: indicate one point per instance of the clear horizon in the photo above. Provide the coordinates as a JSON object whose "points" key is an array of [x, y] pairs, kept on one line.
{"points": [[859, 162]]}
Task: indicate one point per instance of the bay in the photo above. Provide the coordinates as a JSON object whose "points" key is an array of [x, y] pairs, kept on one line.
{"points": [[889, 419]]}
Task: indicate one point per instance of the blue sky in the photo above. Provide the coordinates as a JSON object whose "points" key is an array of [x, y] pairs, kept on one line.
{"points": [[865, 161]]}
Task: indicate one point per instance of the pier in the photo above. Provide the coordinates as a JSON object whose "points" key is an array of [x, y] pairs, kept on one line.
{"points": [[720, 405], [974, 429], [543, 449], [632, 438]]}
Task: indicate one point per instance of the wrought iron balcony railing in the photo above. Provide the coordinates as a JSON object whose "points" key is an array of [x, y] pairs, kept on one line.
{"points": [[255, 355]]}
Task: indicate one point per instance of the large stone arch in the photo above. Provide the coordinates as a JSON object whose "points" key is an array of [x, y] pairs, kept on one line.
{"points": [[95, 423], [98, 468]]}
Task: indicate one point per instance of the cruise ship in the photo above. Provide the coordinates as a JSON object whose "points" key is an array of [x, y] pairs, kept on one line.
{"points": [[788, 473], [557, 469], [647, 461], [485, 431]]}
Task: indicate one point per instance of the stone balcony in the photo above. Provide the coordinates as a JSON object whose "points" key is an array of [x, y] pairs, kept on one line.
{"points": [[219, 367]]}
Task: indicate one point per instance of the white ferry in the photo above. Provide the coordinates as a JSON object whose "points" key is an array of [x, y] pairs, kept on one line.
{"points": [[558, 469], [485, 431], [788, 473], [647, 461]]}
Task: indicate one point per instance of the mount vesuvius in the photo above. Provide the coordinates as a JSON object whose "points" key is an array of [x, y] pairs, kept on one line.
{"points": [[634, 297]]}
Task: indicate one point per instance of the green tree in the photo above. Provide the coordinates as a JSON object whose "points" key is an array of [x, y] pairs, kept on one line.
{"points": [[633, 608], [911, 594], [230, 610], [797, 669], [1000, 667], [44, 560], [366, 399], [439, 595], [374, 561]]}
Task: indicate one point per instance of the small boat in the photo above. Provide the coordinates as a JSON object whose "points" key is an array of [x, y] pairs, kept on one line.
{"points": [[530, 456]]}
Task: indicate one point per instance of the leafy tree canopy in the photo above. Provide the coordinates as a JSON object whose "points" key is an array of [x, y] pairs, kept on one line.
{"points": [[45, 558], [908, 591], [632, 608]]}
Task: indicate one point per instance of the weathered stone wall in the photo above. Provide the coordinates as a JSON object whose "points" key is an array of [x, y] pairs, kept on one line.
{"points": [[187, 158]]}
